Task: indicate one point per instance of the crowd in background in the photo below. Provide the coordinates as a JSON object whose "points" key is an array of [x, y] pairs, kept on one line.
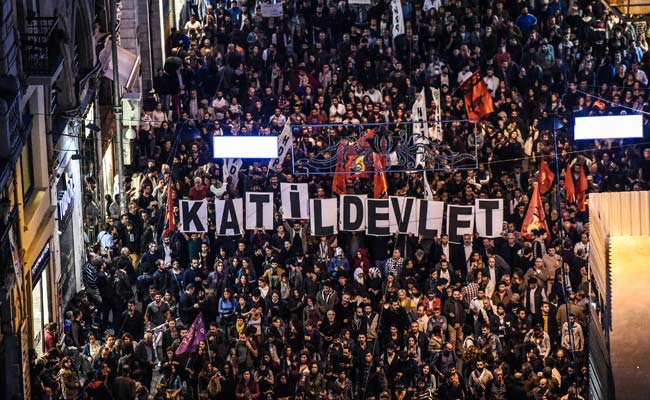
{"points": [[351, 316]]}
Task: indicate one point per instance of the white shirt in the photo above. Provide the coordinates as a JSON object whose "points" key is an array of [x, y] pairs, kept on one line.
{"points": [[463, 75], [468, 251], [145, 122], [106, 239], [157, 117], [168, 254], [476, 305], [641, 77], [444, 79], [423, 322], [375, 96], [281, 119], [582, 246], [445, 250], [489, 290], [189, 25], [337, 112], [492, 83], [219, 104], [429, 4], [444, 273]]}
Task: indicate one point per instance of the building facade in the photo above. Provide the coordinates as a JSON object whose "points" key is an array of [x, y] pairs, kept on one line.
{"points": [[56, 144]]}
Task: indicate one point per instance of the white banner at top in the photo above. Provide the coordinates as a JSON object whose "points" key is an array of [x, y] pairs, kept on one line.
{"points": [[420, 125], [398, 18], [435, 128]]}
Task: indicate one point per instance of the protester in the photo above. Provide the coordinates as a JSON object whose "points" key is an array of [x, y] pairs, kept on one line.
{"points": [[289, 315]]}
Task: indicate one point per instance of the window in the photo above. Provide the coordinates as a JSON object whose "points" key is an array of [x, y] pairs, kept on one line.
{"points": [[27, 167]]}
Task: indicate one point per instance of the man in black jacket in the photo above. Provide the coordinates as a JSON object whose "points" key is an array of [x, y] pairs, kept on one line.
{"points": [[162, 278], [76, 330], [145, 354], [187, 307], [148, 260], [454, 311], [132, 321]]}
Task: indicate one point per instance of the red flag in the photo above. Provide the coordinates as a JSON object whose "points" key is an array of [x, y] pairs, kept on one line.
{"points": [[356, 166], [379, 180], [478, 100], [338, 182], [569, 186], [581, 189], [545, 178], [194, 336], [535, 218], [170, 220]]}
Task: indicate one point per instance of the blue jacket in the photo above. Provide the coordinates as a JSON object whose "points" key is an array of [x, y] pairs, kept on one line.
{"points": [[227, 307], [335, 263], [525, 22]]}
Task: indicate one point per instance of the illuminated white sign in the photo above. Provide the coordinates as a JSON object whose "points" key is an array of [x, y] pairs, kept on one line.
{"points": [[66, 198], [245, 146], [609, 127]]}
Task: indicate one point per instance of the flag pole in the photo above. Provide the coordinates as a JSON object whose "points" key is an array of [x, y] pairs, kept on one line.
{"points": [[565, 276]]}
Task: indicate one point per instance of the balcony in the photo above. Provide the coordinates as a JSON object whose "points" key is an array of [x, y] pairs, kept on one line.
{"points": [[14, 125], [40, 45], [9, 124]]}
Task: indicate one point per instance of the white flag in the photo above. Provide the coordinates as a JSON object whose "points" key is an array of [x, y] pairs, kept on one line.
{"points": [[420, 126], [435, 128], [419, 114], [398, 18], [428, 193], [284, 145], [231, 169]]}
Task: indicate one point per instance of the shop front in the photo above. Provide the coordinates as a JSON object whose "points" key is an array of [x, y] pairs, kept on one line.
{"points": [[66, 206], [42, 312]]}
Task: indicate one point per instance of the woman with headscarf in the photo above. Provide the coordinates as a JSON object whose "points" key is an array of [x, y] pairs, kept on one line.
{"points": [[362, 261], [373, 284], [359, 283]]}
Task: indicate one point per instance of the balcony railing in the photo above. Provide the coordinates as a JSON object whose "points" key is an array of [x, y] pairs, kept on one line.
{"points": [[41, 46], [15, 124], [10, 122]]}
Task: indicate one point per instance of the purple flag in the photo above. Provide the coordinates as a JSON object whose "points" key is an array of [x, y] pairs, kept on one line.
{"points": [[194, 335]]}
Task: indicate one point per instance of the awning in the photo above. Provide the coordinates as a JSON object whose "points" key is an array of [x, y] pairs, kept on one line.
{"points": [[128, 64]]}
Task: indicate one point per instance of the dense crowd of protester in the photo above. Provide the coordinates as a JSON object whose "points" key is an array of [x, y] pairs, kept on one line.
{"points": [[291, 316]]}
